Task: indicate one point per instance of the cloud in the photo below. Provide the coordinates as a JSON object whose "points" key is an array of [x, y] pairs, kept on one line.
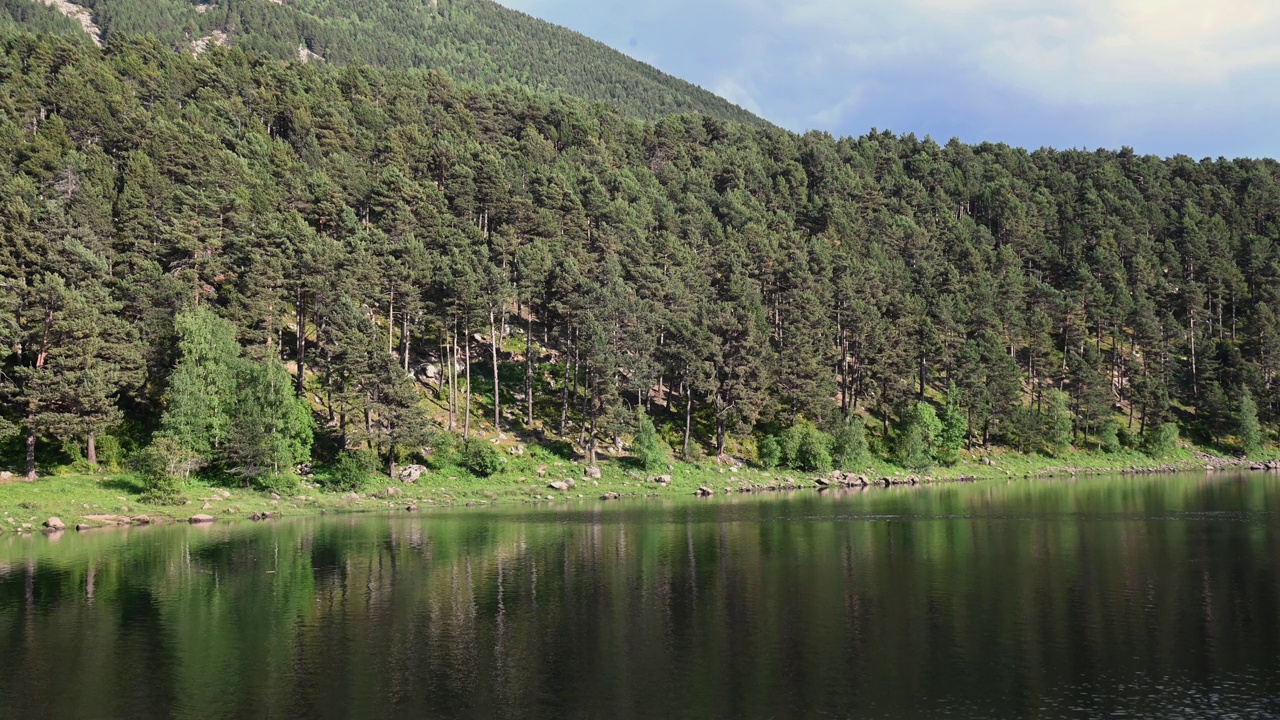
{"points": [[1162, 75]]}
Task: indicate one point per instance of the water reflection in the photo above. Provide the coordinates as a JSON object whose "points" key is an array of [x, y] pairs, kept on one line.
{"points": [[1148, 597]]}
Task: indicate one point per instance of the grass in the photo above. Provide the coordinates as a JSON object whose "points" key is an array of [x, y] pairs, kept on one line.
{"points": [[108, 499]]}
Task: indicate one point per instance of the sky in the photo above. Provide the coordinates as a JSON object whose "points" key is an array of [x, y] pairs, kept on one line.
{"points": [[1167, 77]]}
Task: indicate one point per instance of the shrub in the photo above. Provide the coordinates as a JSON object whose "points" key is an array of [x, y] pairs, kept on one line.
{"points": [[813, 454], [849, 446], [164, 466], [352, 470], [768, 452], [1109, 437], [281, 483], [921, 429], [110, 453], [481, 458], [650, 452], [1160, 440]]}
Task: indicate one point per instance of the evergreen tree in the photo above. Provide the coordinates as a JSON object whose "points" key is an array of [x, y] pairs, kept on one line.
{"points": [[1248, 430]]}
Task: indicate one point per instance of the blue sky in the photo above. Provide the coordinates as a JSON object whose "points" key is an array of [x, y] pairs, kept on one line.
{"points": [[1162, 76]]}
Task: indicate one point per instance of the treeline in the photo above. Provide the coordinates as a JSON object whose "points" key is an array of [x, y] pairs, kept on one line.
{"points": [[475, 41], [547, 265]]}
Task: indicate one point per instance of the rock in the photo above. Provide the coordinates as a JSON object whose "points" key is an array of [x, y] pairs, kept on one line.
{"points": [[704, 491], [225, 494], [822, 482], [411, 508], [255, 517], [275, 496], [140, 520], [517, 450], [351, 496], [988, 462], [393, 492], [558, 485], [542, 471], [198, 519], [610, 496], [592, 472], [663, 479], [6, 475], [81, 527], [26, 526], [206, 506], [570, 482], [411, 473], [54, 523]]}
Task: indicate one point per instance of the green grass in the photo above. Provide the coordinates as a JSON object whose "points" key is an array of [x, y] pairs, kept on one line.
{"points": [[98, 500]]}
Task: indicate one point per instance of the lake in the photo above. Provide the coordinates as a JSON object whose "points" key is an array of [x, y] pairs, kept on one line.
{"points": [[1147, 597]]}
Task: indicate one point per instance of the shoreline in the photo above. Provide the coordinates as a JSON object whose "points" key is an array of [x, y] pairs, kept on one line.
{"points": [[84, 503]]}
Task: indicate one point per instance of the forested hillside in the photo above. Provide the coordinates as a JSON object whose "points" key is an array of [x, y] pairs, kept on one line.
{"points": [[476, 41], [186, 239]]}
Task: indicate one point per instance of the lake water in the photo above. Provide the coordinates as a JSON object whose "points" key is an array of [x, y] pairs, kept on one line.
{"points": [[1133, 597]]}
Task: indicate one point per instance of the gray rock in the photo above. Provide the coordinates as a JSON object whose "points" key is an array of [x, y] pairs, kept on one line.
{"points": [[610, 496], [351, 496], [393, 492], [54, 523], [592, 472], [197, 519], [411, 473], [411, 508], [558, 485], [704, 491]]}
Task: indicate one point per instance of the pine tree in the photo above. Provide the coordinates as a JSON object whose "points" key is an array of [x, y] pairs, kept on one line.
{"points": [[1248, 430], [954, 428]]}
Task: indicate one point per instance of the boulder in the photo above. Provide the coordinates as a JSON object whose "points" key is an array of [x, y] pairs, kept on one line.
{"points": [[274, 496], [570, 482], [558, 485], [140, 520], [411, 473], [610, 496], [198, 519], [393, 492], [6, 475], [704, 491], [822, 482], [54, 523], [206, 506], [592, 472], [351, 496], [411, 508], [663, 479]]}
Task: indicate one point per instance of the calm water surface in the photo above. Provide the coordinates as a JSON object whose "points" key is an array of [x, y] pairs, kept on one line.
{"points": [[1130, 597]]}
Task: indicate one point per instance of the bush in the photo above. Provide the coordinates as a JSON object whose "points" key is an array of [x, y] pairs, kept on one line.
{"points": [[352, 470], [849, 446], [1160, 440], [110, 453], [481, 458], [164, 467], [1109, 437], [650, 452], [281, 483], [813, 454], [768, 452]]}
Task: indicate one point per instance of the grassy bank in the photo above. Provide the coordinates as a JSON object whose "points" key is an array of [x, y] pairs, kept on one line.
{"points": [[111, 499]]}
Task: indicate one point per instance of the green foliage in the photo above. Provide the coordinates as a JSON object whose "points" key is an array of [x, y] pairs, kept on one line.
{"points": [[648, 449], [954, 428], [481, 458], [849, 445], [271, 430], [1055, 424], [202, 388], [805, 448], [1160, 440], [918, 437], [351, 471], [164, 467], [1247, 428], [768, 452], [1109, 436]]}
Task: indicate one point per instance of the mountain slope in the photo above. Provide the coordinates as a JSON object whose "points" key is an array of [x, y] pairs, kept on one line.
{"points": [[471, 40]]}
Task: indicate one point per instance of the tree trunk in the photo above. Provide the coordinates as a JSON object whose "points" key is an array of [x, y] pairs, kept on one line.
{"points": [[301, 344], [688, 418], [31, 455], [93, 451], [528, 368], [497, 394], [466, 344]]}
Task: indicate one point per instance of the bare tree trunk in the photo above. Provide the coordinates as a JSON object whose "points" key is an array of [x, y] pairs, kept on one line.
{"points": [[466, 344], [688, 418], [31, 454], [497, 394], [528, 368], [404, 340], [93, 451], [564, 394], [301, 344]]}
